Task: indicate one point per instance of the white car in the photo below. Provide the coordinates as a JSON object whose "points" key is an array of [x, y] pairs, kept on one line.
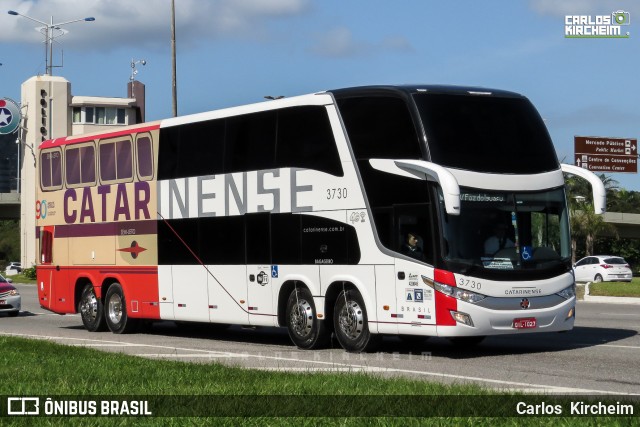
{"points": [[10, 300], [602, 268]]}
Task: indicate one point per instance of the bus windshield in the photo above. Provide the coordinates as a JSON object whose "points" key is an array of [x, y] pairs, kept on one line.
{"points": [[486, 133], [502, 233]]}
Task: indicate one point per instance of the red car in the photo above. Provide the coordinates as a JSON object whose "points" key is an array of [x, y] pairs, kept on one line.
{"points": [[10, 299]]}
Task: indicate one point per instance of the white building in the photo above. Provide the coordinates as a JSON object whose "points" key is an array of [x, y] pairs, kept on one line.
{"points": [[50, 111]]}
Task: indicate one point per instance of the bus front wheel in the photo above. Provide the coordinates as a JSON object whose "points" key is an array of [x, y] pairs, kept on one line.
{"points": [[91, 310], [305, 330], [116, 311], [351, 323]]}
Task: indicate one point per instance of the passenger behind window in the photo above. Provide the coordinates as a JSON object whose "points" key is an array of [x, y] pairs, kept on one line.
{"points": [[411, 248], [498, 241]]}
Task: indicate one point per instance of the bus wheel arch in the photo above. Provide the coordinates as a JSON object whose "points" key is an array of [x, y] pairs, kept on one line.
{"points": [[115, 308], [90, 306]]}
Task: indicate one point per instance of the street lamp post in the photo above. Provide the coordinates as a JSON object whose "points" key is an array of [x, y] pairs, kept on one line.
{"points": [[48, 31]]}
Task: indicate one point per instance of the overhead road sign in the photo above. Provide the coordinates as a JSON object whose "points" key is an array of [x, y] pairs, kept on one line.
{"points": [[603, 154]]}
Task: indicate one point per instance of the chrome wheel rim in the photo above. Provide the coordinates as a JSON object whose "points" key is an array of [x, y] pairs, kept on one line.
{"points": [[301, 318], [89, 306], [115, 309], [351, 320]]}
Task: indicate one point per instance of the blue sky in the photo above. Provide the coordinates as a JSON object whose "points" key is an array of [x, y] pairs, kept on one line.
{"points": [[232, 52]]}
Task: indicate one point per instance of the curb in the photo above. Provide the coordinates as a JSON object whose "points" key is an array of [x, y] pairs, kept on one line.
{"points": [[610, 300]]}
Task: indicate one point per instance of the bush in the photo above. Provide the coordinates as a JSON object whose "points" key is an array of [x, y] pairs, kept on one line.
{"points": [[29, 273]]}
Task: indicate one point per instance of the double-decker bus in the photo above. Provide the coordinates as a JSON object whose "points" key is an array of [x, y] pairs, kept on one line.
{"points": [[362, 211]]}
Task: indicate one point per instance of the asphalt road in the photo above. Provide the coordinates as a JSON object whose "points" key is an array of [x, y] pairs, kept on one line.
{"points": [[600, 356]]}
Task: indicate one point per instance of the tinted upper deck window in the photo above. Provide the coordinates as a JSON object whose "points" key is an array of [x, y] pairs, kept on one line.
{"points": [[486, 133], [380, 127]]}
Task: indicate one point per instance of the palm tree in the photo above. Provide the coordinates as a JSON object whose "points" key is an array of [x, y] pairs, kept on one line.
{"points": [[584, 222]]}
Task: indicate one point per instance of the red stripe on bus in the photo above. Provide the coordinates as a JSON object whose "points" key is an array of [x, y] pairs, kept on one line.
{"points": [[75, 140]]}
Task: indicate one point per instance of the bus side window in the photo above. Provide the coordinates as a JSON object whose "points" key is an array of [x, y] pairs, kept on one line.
{"points": [[145, 157], [305, 140], [51, 169], [46, 246], [116, 162], [80, 165], [250, 142]]}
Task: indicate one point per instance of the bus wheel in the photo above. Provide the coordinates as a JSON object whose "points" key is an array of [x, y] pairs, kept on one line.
{"points": [[351, 323], [116, 311], [305, 330], [91, 310]]}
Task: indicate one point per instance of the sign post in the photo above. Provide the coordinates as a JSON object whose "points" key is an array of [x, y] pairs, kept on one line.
{"points": [[603, 154]]}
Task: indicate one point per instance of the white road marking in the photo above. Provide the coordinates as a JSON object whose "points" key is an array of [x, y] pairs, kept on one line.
{"points": [[328, 366], [619, 346]]}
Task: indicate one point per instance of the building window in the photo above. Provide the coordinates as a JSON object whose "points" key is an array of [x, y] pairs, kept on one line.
{"points": [[88, 114], [100, 115]]}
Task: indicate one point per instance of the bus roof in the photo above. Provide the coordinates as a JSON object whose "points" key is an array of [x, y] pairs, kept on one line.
{"points": [[405, 90], [317, 98], [76, 139]]}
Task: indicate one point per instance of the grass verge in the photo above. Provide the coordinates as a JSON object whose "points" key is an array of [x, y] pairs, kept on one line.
{"points": [[20, 278], [616, 289], [180, 392]]}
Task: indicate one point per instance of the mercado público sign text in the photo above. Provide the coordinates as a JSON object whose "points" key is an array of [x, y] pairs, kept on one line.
{"points": [[603, 154]]}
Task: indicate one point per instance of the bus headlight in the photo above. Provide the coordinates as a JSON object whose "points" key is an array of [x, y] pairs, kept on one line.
{"points": [[453, 291], [463, 318], [568, 293]]}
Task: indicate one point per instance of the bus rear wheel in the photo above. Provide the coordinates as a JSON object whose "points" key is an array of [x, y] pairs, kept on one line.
{"points": [[116, 311], [91, 310], [352, 325], [305, 330]]}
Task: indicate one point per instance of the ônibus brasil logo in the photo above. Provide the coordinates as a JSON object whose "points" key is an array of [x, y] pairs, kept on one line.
{"points": [[597, 26], [9, 116]]}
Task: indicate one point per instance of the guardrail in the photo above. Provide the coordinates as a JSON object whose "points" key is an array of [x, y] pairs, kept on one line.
{"points": [[9, 197]]}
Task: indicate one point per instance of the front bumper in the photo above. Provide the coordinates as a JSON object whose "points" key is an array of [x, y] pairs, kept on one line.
{"points": [[10, 303], [558, 318]]}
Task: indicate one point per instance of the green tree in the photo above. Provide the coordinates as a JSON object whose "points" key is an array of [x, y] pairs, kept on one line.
{"points": [[9, 240], [584, 222]]}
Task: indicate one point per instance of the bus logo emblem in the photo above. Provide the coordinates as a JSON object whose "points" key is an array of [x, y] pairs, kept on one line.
{"points": [[134, 250], [524, 303], [263, 278]]}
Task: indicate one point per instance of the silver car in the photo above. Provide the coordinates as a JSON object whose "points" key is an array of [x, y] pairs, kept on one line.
{"points": [[602, 268], [10, 300]]}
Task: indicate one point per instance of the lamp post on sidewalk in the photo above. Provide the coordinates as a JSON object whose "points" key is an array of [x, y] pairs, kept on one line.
{"points": [[48, 30]]}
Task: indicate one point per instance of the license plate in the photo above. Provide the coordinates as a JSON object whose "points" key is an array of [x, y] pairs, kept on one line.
{"points": [[526, 323]]}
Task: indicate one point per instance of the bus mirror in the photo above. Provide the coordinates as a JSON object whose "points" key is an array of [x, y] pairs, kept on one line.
{"points": [[599, 193], [420, 169]]}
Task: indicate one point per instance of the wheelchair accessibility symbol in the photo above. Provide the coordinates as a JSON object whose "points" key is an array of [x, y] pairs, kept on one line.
{"points": [[526, 253]]}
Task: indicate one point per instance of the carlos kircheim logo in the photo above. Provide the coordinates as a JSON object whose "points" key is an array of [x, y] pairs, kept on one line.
{"points": [[9, 116], [613, 26]]}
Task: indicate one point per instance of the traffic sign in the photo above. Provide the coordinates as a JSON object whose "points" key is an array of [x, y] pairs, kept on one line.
{"points": [[602, 154]]}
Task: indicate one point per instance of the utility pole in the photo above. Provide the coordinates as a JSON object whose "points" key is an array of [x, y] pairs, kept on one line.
{"points": [[174, 86]]}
